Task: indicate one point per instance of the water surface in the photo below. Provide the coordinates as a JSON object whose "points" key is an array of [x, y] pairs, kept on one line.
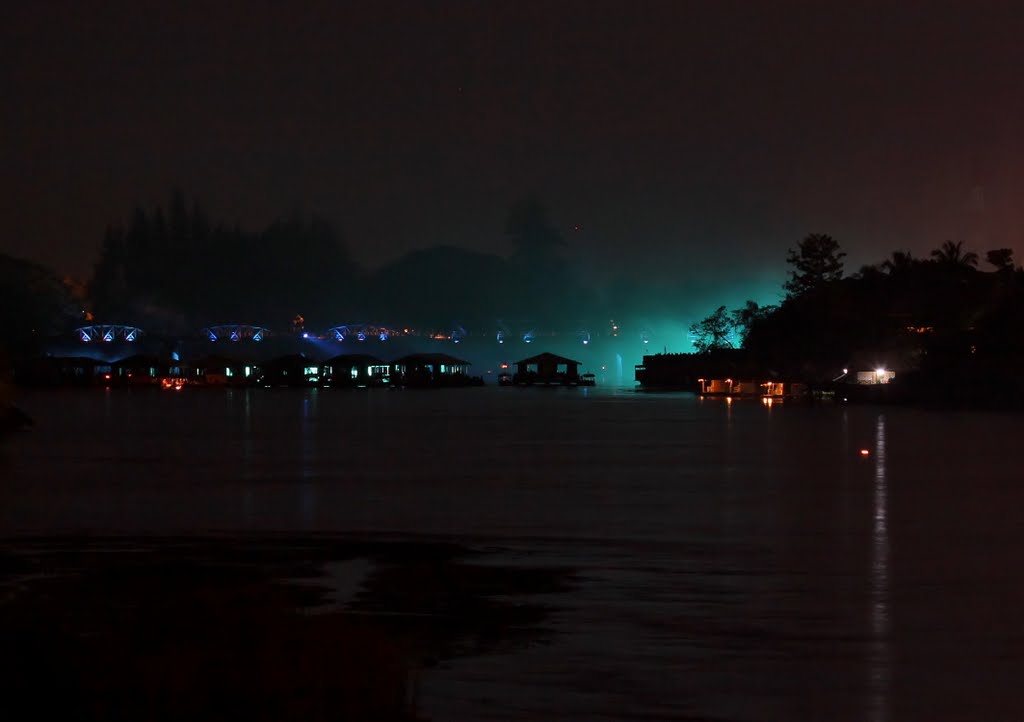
{"points": [[734, 561]]}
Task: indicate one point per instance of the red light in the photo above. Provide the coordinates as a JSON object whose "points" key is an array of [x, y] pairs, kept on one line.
{"points": [[864, 452], [106, 376]]}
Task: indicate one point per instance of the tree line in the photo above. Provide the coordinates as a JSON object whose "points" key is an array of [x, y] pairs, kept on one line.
{"points": [[929, 313], [34, 303], [173, 268]]}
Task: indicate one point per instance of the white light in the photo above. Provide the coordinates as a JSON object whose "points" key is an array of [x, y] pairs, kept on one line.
{"points": [[879, 372], [846, 371]]}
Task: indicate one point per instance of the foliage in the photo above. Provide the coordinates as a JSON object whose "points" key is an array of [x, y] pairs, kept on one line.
{"points": [[743, 319], [1001, 259], [34, 303], [899, 262], [175, 269], [816, 260], [936, 313], [713, 332], [953, 255], [722, 328]]}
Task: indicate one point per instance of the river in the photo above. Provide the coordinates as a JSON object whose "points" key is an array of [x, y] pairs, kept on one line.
{"points": [[731, 560]]}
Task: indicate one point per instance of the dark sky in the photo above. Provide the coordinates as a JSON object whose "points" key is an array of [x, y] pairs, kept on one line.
{"points": [[690, 141]]}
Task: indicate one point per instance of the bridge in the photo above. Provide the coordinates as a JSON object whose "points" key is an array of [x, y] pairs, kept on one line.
{"points": [[235, 332], [108, 333], [239, 332]]}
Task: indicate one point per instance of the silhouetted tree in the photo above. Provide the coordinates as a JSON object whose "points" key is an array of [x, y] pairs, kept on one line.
{"points": [[816, 260], [1001, 259], [743, 319], [173, 266], [899, 262], [34, 304], [108, 288], [953, 255], [179, 225], [713, 331], [953, 323]]}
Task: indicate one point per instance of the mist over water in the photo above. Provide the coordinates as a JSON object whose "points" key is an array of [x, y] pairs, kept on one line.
{"points": [[733, 561]]}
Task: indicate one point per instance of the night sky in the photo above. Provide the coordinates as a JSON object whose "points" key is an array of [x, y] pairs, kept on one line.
{"points": [[689, 142]]}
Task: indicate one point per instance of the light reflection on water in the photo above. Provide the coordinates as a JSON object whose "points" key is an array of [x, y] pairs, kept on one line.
{"points": [[879, 661], [735, 560]]}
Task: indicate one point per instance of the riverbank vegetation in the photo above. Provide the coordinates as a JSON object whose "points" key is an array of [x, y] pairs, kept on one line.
{"points": [[947, 320]]}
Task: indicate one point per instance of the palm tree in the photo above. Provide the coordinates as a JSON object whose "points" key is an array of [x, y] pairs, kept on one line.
{"points": [[953, 255], [900, 262]]}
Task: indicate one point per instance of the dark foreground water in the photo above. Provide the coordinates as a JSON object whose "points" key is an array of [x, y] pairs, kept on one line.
{"points": [[730, 561]]}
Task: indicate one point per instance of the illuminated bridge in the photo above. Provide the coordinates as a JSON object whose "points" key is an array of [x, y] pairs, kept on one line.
{"points": [[108, 333], [235, 332], [500, 333], [362, 332]]}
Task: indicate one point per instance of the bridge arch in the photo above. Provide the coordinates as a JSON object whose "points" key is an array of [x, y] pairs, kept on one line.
{"points": [[108, 333], [360, 332], [235, 332]]}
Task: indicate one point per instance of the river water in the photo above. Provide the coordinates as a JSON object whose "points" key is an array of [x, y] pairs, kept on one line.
{"points": [[734, 561]]}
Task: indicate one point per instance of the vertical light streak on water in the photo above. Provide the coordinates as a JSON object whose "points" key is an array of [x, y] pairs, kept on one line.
{"points": [[248, 456], [307, 488], [108, 405], [879, 662], [247, 413]]}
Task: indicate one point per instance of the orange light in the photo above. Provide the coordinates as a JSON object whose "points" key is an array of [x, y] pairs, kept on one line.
{"points": [[864, 452]]}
